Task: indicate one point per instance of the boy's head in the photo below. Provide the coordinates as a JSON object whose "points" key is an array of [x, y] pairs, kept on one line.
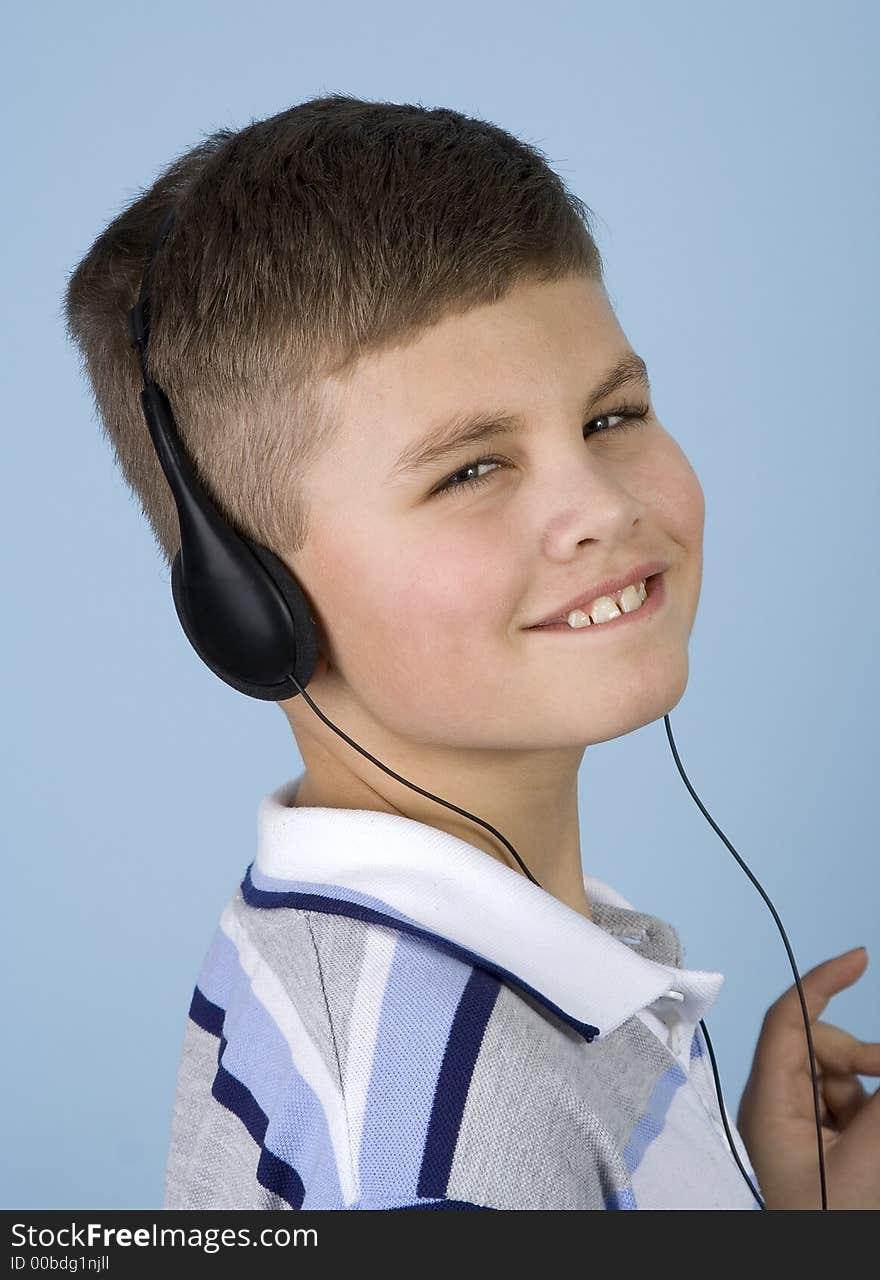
{"points": [[427, 593], [341, 280]]}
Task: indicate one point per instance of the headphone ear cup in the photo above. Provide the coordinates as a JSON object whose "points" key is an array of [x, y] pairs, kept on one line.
{"points": [[301, 632], [305, 628]]}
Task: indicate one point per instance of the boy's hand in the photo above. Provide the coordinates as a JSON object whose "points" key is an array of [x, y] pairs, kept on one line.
{"points": [[777, 1119]]}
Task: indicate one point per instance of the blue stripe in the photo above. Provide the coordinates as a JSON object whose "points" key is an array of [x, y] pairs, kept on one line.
{"points": [[255, 897], [649, 1127], [411, 1040], [620, 1199], [259, 1055], [272, 1172], [468, 1028], [253, 1063]]}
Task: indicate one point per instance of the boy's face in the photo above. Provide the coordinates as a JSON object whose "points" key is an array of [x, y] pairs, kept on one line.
{"points": [[424, 600]]}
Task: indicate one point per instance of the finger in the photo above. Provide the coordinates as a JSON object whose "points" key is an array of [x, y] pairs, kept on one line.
{"points": [[844, 1054], [857, 1146], [819, 984], [844, 1097]]}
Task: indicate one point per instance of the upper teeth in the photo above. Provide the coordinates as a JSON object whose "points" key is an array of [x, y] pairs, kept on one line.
{"points": [[606, 607]]}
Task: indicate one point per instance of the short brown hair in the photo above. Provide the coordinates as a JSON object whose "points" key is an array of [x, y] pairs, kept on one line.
{"points": [[301, 242]]}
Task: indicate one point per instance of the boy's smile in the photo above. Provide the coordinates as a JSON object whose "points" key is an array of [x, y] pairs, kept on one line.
{"points": [[425, 576]]}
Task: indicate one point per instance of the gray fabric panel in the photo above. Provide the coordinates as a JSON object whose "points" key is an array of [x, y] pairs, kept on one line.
{"points": [[340, 943], [198, 1062], [526, 1140], [548, 1115], [619, 1073]]}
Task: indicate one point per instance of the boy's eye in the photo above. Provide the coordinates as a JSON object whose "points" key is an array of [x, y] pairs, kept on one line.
{"points": [[630, 415]]}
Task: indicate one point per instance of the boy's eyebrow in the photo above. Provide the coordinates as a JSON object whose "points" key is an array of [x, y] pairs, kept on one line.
{"points": [[448, 437]]}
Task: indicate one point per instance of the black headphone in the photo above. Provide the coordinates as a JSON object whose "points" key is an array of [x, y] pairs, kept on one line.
{"points": [[248, 619]]}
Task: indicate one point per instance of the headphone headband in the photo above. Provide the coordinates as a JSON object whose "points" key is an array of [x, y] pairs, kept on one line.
{"points": [[240, 607]]}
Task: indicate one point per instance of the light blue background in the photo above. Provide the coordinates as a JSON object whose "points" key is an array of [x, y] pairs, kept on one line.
{"points": [[729, 153]]}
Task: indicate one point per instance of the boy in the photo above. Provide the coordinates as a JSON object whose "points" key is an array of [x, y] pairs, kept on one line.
{"points": [[387, 342]]}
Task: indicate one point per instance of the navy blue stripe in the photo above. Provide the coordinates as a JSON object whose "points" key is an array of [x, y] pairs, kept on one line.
{"points": [[272, 1172], [278, 1176], [208, 1016], [340, 907], [454, 1081], [238, 1099]]}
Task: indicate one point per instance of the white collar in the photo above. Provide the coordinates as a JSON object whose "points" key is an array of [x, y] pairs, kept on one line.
{"points": [[400, 872]]}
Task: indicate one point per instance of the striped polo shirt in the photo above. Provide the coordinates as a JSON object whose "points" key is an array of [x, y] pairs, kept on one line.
{"points": [[388, 1017]]}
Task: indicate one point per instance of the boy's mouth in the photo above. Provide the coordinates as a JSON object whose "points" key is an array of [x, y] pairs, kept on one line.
{"points": [[609, 589], [607, 614]]}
